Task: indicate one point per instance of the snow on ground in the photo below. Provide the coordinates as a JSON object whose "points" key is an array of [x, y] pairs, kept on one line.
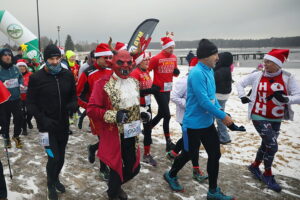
{"points": [[83, 182]]}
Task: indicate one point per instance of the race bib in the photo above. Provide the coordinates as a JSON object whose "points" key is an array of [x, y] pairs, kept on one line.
{"points": [[44, 139], [168, 86], [11, 83], [147, 100], [23, 89], [132, 129]]}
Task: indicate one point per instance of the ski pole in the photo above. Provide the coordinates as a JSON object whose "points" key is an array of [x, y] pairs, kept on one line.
{"points": [[8, 163]]}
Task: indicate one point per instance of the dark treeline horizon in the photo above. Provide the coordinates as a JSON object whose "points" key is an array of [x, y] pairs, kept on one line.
{"points": [[221, 43], [238, 43]]}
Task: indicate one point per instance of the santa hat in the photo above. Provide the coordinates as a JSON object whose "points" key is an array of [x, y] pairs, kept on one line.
{"points": [[120, 46], [278, 56], [102, 50], [167, 42], [142, 57], [21, 62], [62, 50]]}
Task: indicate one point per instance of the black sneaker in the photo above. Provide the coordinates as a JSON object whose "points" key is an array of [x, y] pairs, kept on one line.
{"points": [[104, 173], [60, 187], [91, 154], [149, 160], [169, 146], [52, 194]]}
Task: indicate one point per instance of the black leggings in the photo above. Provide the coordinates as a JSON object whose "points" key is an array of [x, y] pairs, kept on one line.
{"points": [[3, 190], [26, 116], [11, 108], [162, 99], [147, 130], [210, 140], [94, 148], [129, 159], [56, 155]]}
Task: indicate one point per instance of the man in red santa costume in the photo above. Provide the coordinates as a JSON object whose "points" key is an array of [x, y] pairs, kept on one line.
{"points": [[114, 107], [273, 92]]}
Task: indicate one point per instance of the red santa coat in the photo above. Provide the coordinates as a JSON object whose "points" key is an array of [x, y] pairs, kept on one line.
{"points": [[100, 104], [4, 93]]}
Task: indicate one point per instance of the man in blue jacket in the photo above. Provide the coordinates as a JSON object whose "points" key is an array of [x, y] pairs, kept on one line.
{"points": [[12, 80], [202, 108]]}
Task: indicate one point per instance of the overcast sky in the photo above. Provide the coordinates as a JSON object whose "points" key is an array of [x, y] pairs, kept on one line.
{"points": [[96, 20]]}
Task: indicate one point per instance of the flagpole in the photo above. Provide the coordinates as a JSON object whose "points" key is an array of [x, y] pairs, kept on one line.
{"points": [[38, 21]]}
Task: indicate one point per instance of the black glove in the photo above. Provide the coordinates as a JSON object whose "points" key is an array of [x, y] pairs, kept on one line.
{"points": [[176, 71], [234, 127], [279, 96], [50, 124], [122, 116], [245, 100], [72, 107], [145, 117]]}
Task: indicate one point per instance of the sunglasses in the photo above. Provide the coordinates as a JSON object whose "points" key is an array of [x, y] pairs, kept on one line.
{"points": [[120, 62]]}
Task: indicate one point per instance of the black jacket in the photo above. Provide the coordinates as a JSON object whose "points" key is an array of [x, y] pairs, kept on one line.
{"points": [[48, 96], [223, 77]]}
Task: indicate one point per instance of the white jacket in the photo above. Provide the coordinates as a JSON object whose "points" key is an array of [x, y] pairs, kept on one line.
{"points": [[178, 96], [253, 79]]}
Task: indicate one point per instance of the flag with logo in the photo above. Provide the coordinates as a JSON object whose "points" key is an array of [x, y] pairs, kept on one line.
{"points": [[15, 30]]}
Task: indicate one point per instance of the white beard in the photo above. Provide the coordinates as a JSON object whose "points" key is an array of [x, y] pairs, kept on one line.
{"points": [[128, 92]]}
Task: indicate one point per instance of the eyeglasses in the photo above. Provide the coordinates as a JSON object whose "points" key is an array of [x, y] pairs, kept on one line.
{"points": [[120, 62], [107, 57]]}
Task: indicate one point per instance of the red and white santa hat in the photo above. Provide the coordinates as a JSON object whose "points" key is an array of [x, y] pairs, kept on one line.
{"points": [[278, 56], [141, 57], [120, 46], [102, 50], [62, 50], [167, 42], [21, 62]]}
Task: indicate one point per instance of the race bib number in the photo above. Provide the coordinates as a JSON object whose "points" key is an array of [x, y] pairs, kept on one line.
{"points": [[44, 139], [168, 86], [11, 83], [147, 100], [132, 129]]}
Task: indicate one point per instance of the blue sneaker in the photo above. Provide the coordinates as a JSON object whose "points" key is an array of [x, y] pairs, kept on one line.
{"points": [[199, 176], [271, 183], [173, 182], [218, 195], [255, 171]]}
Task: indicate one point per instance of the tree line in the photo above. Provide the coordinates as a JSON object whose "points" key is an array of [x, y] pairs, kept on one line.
{"points": [[68, 44]]}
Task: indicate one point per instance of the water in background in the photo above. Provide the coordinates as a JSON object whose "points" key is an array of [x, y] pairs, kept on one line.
{"points": [[293, 60]]}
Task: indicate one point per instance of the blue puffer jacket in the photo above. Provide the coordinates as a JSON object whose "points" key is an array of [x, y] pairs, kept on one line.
{"points": [[202, 106], [12, 79]]}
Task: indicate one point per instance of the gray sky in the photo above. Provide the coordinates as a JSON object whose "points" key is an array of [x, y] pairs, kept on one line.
{"points": [[94, 20]]}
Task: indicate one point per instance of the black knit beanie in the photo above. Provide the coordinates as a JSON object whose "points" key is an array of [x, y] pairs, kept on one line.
{"points": [[51, 51], [206, 48]]}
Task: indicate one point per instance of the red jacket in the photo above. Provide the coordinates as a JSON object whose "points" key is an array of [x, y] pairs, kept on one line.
{"points": [[144, 80], [86, 83], [193, 62], [163, 65], [109, 146], [25, 83]]}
